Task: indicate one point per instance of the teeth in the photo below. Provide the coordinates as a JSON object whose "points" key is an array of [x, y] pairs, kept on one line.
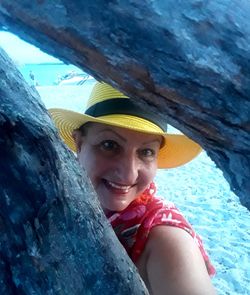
{"points": [[122, 187]]}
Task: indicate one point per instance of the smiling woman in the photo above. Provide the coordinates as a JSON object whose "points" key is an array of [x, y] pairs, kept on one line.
{"points": [[120, 163], [208, 73], [121, 147]]}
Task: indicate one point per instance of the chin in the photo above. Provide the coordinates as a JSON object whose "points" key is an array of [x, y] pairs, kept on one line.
{"points": [[114, 207]]}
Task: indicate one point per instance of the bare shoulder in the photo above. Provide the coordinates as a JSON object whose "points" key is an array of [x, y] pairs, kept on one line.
{"points": [[174, 265]]}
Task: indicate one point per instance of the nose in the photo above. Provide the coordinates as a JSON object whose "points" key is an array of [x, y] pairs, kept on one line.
{"points": [[127, 168]]}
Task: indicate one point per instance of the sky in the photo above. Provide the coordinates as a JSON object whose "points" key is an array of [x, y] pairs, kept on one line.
{"points": [[22, 52]]}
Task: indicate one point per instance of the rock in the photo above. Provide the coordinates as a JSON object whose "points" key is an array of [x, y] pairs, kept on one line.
{"points": [[54, 238]]}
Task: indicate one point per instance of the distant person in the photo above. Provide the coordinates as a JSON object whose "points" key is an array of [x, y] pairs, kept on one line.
{"points": [[32, 78], [121, 147]]}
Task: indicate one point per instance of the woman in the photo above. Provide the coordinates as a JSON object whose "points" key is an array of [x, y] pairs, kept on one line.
{"points": [[121, 146]]}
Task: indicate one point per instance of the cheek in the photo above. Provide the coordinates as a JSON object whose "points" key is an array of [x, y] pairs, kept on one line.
{"points": [[87, 160], [148, 175], [92, 163], [153, 172]]}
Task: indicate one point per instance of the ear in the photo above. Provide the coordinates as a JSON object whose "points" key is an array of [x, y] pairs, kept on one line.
{"points": [[78, 139]]}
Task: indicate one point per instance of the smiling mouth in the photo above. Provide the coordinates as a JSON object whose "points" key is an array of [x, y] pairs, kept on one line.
{"points": [[117, 188]]}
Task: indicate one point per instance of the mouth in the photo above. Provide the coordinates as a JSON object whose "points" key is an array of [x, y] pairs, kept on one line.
{"points": [[116, 188]]}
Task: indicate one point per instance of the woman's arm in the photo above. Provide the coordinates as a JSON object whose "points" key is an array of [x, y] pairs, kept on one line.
{"points": [[175, 265]]}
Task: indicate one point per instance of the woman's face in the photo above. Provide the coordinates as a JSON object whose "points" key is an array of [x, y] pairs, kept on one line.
{"points": [[121, 163]]}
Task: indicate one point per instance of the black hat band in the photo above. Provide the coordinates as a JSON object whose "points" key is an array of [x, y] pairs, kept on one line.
{"points": [[123, 106]]}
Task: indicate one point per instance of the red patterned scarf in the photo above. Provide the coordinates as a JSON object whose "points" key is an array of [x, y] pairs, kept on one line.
{"points": [[132, 225]]}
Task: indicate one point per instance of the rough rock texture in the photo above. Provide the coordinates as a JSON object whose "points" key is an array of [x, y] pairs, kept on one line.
{"points": [[54, 238]]}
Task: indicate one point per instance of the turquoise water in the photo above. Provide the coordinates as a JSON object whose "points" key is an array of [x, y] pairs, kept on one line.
{"points": [[47, 73]]}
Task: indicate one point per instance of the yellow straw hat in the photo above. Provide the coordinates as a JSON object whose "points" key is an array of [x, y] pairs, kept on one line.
{"points": [[107, 105]]}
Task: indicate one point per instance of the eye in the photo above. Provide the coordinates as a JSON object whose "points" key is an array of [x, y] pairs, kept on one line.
{"points": [[147, 153], [109, 145]]}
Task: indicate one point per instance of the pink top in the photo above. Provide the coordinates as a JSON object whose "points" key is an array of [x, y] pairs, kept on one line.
{"points": [[132, 225]]}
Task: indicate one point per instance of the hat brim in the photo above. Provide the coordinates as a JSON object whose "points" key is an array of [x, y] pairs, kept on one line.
{"points": [[177, 151]]}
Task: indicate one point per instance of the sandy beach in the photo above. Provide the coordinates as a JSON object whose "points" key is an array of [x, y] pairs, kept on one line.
{"points": [[201, 192]]}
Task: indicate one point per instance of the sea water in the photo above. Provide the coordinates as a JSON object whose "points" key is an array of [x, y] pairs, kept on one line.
{"points": [[197, 188], [46, 74]]}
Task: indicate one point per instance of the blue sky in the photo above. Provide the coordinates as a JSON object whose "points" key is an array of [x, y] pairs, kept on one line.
{"points": [[22, 52]]}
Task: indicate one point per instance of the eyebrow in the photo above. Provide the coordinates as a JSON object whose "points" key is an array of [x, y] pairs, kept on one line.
{"points": [[123, 139], [111, 130], [152, 141]]}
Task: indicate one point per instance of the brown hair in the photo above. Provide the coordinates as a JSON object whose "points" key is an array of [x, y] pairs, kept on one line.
{"points": [[84, 128]]}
